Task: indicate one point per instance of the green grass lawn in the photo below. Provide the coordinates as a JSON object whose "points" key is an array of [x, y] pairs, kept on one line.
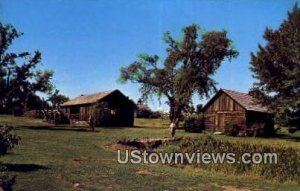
{"points": [[56, 158]]}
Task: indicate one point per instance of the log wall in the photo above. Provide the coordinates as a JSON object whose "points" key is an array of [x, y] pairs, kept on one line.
{"points": [[224, 110]]}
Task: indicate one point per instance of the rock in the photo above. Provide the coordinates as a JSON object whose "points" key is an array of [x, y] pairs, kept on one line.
{"points": [[218, 133]]}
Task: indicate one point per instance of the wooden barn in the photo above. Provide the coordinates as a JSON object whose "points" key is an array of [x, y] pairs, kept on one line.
{"points": [[120, 108], [235, 108]]}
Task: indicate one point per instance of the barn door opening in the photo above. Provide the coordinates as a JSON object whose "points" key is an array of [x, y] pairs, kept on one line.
{"points": [[75, 112]]}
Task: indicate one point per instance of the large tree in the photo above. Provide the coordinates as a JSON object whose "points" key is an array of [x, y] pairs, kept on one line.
{"points": [[276, 66], [20, 80], [187, 69]]}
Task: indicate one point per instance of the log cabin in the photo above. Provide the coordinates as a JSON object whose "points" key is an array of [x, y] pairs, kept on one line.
{"points": [[120, 107], [235, 108]]}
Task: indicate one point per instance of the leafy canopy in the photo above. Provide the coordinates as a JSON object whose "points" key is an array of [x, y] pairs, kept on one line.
{"points": [[20, 79], [276, 66], [187, 69]]}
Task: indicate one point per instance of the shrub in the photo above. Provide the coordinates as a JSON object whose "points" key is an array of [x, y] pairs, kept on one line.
{"points": [[7, 182], [261, 130], [7, 142], [7, 139], [231, 129], [292, 129], [143, 113], [147, 113], [155, 115], [61, 119], [194, 124]]}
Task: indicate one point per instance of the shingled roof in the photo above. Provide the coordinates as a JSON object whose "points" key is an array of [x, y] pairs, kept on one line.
{"points": [[245, 100], [88, 99]]}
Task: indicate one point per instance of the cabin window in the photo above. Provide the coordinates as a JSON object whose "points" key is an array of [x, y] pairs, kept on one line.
{"points": [[74, 109]]}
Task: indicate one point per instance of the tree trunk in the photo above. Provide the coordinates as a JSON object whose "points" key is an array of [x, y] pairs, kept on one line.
{"points": [[173, 127], [174, 121], [174, 115]]}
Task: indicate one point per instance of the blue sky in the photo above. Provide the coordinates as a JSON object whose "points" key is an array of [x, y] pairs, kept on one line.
{"points": [[86, 42]]}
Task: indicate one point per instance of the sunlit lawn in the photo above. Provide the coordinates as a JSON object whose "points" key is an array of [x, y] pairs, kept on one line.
{"points": [[59, 158]]}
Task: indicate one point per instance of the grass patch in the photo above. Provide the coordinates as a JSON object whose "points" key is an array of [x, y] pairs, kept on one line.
{"points": [[64, 158], [286, 167]]}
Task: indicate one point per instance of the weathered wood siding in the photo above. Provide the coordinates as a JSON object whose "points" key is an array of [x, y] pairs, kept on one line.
{"points": [[224, 110], [121, 107]]}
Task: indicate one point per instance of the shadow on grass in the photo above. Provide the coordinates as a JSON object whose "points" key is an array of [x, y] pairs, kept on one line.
{"points": [[288, 137], [69, 128], [59, 128], [22, 167], [148, 127], [7, 182]]}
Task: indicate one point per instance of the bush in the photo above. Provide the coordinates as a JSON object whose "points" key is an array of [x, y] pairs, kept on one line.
{"points": [[7, 139], [292, 129], [7, 182], [155, 115], [287, 167], [231, 129], [143, 113], [261, 130], [7, 142], [61, 119], [194, 124]]}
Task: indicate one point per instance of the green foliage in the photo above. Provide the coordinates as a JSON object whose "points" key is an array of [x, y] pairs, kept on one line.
{"points": [[7, 139], [292, 129], [261, 130], [101, 115], [199, 108], [193, 123], [143, 112], [7, 182], [19, 76], [231, 129], [187, 69], [277, 69], [34, 102], [56, 99], [286, 169]]}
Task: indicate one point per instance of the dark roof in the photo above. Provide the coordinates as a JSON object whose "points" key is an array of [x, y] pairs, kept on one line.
{"points": [[88, 99], [248, 102]]}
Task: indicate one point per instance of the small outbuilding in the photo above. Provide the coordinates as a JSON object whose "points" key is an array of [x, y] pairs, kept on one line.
{"points": [[234, 108], [119, 109]]}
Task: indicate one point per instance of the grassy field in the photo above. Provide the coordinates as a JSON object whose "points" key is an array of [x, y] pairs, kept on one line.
{"points": [[58, 158]]}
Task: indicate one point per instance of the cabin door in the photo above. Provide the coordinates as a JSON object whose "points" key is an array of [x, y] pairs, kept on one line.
{"points": [[221, 122]]}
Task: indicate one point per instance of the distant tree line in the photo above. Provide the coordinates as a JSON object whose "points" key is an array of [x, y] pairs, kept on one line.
{"points": [[143, 111]]}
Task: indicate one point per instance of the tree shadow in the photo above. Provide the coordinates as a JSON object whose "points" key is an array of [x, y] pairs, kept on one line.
{"points": [[59, 128], [7, 182], [147, 127], [70, 128], [288, 137], [22, 167]]}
